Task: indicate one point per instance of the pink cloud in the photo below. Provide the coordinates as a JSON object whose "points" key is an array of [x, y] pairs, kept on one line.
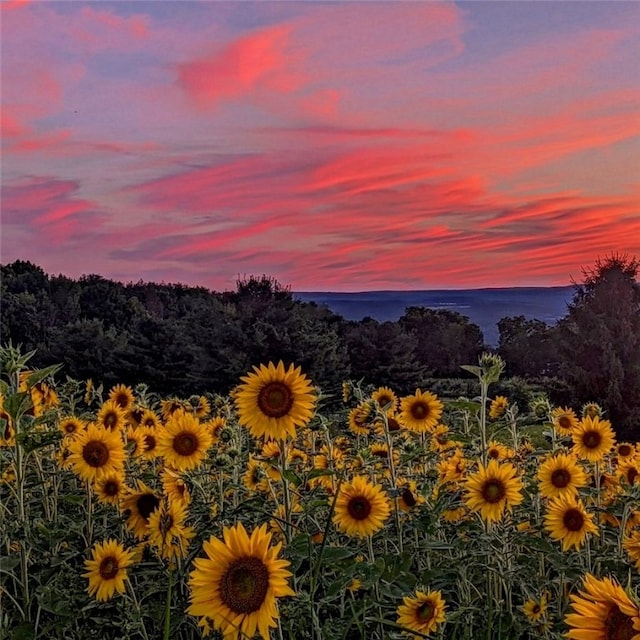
{"points": [[260, 59]]}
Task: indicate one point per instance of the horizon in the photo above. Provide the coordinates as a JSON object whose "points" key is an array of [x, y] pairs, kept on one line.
{"points": [[433, 146]]}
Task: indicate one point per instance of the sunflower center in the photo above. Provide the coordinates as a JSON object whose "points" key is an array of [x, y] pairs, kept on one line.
{"points": [[149, 443], [632, 474], [95, 453], [185, 443], [275, 399], [381, 453], [408, 498], [573, 519], [425, 612], [393, 424], [592, 439], [359, 508], [493, 491], [419, 410], [564, 422], [494, 453], [108, 568], [244, 585], [147, 503], [111, 488], [122, 400], [536, 609], [618, 625], [624, 450], [110, 420], [69, 427], [560, 478]]}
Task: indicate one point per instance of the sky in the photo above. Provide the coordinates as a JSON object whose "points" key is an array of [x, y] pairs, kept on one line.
{"points": [[343, 146]]}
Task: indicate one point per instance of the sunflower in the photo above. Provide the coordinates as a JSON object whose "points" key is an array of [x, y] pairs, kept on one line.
{"points": [[422, 613], [170, 406], [237, 584], [183, 441], [255, 476], [420, 411], [215, 427], [204, 407], [564, 420], [136, 443], [454, 468], [111, 416], [110, 488], [167, 530], [593, 438], [138, 505], [631, 544], [273, 401], [150, 419], [174, 486], [498, 451], [408, 496], [385, 399], [122, 396], [603, 611], [7, 431], [359, 419], [630, 471], [534, 609], [492, 489], [107, 569], [591, 410], [624, 451], [568, 521], [149, 437], [440, 440], [561, 475], [498, 407], [361, 508], [96, 452], [70, 426]]}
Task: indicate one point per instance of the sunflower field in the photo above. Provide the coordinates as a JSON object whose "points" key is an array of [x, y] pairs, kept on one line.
{"points": [[266, 514]]}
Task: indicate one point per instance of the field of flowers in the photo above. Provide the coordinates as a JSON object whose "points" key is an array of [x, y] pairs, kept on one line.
{"points": [[265, 513]]}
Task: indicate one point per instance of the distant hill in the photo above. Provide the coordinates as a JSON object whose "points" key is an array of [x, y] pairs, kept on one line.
{"points": [[484, 307]]}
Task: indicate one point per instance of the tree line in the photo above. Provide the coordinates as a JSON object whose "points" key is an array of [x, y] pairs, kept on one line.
{"points": [[182, 340]]}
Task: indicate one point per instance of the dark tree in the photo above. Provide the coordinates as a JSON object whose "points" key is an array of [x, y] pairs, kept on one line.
{"points": [[445, 340], [599, 342], [527, 347]]}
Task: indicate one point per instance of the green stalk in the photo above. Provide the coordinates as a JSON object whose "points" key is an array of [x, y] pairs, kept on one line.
{"points": [[167, 609]]}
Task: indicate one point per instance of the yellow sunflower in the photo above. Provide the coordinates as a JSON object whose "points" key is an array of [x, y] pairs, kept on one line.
{"points": [[568, 521], [630, 471], [454, 468], [408, 495], [385, 399], [70, 426], [273, 401], [149, 437], [96, 452], [593, 438], [110, 488], [603, 611], [493, 489], [359, 419], [422, 613], [107, 569], [136, 443], [420, 411], [215, 427], [361, 508], [255, 476], [168, 532], [561, 475], [149, 419], [174, 486], [236, 586], [534, 609], [170, 406], [498, 407], [631, 544], [122, 395], [111, 416], [564, 420], [183, 442], [498, 451], [138, 505]]}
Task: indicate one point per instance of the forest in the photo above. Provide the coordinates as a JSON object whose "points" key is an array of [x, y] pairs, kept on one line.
{"points": [[180, 340]]}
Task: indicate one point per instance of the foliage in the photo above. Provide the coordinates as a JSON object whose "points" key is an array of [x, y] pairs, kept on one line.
{"points": [[346, 587]]}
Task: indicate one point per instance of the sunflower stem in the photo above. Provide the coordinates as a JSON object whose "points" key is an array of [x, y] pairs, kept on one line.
{"points": [[392, 469], [286, 491], [167, 609]]}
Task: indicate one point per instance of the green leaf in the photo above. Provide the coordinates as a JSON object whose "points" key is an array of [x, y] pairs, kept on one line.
{"points": [[41, 374], [477, 371], [337, 553]]}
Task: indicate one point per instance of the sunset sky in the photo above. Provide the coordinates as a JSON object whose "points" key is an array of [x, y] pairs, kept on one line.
{"points": [[334, 146]]}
